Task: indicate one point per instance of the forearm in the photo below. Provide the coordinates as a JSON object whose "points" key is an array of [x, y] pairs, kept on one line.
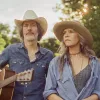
{"points": [[92, 97], [54, 97]]}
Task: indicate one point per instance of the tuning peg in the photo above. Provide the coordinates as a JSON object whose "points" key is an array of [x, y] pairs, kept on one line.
{"points": [[28, 79]]}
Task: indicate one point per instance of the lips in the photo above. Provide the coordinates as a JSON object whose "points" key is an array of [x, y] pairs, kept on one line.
{"points": [[29, 33], [67, 40]]}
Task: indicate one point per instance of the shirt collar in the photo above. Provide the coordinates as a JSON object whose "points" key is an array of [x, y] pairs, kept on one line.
{"points": [[21, 45], [41, 50], [91, 57]]}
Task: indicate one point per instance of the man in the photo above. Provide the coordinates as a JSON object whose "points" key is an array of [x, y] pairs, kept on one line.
{"points": [[27, 55]]}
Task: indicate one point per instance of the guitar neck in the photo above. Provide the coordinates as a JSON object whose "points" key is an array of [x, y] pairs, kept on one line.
{"points": [[23, 76], [8, 81]]}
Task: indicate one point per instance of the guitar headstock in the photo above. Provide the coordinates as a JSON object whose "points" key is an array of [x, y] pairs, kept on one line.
{"points": [[25, 76]]}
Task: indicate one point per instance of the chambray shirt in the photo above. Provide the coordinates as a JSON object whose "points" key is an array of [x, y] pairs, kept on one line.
{"points": [[65, 87], [17, 57]]}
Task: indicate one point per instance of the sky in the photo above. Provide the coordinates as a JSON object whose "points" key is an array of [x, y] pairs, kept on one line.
{"points": [[15, 9]]}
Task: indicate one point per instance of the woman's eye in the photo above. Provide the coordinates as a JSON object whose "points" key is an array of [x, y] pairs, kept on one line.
{"points": [[64, 32], [71, 31]]}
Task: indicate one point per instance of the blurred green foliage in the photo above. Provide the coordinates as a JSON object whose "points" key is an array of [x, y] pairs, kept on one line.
{"points": [[87, 12], [52, 44]]}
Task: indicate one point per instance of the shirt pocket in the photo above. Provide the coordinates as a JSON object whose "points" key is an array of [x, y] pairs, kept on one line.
{"points": [[40, 69], [90, 86], [66, 86], [16, 63], [64, 82]]}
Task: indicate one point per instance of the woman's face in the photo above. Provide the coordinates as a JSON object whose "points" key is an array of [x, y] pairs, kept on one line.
{"points": [[70, 37]]}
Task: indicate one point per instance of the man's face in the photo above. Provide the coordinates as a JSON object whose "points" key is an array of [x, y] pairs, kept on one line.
{"points": [[30, 31]]}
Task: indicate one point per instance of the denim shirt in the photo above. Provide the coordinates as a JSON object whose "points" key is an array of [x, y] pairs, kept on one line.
{"points": [[65, 87], [17, 57]]}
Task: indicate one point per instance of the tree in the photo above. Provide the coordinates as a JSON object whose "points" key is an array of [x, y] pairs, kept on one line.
{"points": [[15, 37], [51, 43], [88, 12], [4, 36], [5, 39], [2, 44]]}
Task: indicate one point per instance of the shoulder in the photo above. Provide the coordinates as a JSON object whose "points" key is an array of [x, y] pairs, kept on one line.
{"points": [[11, 47], [47, 52], [55, 62], [96, 64], [56, 59], [54, 65], [15, 45]]}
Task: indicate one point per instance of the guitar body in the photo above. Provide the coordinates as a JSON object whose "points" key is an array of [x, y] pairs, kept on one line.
{"points": [[7, 79], [6, 91]]}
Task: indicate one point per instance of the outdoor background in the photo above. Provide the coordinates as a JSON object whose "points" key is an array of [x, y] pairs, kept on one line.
{"points": [[86, 11]]}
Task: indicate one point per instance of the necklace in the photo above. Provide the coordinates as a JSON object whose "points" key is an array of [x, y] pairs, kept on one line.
{"points": [[76, 53]]}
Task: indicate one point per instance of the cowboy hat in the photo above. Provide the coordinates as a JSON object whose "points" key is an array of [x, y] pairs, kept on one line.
{"points": [[75, 25], [31, 15]]}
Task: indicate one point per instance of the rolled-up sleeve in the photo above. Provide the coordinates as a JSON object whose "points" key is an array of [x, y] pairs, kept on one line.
{"points": [[97, 86], [51, 84]]}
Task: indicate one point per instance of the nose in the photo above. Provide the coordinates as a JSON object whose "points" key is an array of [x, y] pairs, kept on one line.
{"points": [[67, 34], [29, 27]]}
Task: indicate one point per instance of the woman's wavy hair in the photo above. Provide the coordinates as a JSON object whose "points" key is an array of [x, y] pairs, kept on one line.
{"points": [[63, 50]]}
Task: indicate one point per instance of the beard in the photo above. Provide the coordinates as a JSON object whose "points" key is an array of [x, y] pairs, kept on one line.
{"points": [[31, 37]]}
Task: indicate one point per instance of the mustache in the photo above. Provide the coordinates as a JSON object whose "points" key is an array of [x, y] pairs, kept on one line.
{"points": [[30, 32]]}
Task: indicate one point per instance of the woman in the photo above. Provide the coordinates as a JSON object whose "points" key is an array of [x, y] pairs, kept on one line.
{"points": [[74, 75]]}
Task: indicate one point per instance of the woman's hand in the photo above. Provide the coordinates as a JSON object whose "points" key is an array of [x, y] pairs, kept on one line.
{"points": [[54, 97], [92, 97]]}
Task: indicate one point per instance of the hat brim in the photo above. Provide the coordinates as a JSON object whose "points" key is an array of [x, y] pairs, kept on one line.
{"points": [[40, 20], [83, 31]]}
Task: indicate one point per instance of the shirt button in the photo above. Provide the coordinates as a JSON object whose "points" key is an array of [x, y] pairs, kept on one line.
{"points": [[26, 83], [24, 97], [22, 83]]}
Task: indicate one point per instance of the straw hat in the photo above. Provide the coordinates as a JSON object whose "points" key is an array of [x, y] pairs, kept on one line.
{"points": [[82, 30], [31, 15]]}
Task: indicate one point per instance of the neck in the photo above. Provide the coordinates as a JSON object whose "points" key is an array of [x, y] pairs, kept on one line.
{"points": [[31, 46], [74, 50]]}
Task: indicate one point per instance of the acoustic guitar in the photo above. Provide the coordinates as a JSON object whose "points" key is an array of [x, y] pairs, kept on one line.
{"points": [[7, 78]]}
